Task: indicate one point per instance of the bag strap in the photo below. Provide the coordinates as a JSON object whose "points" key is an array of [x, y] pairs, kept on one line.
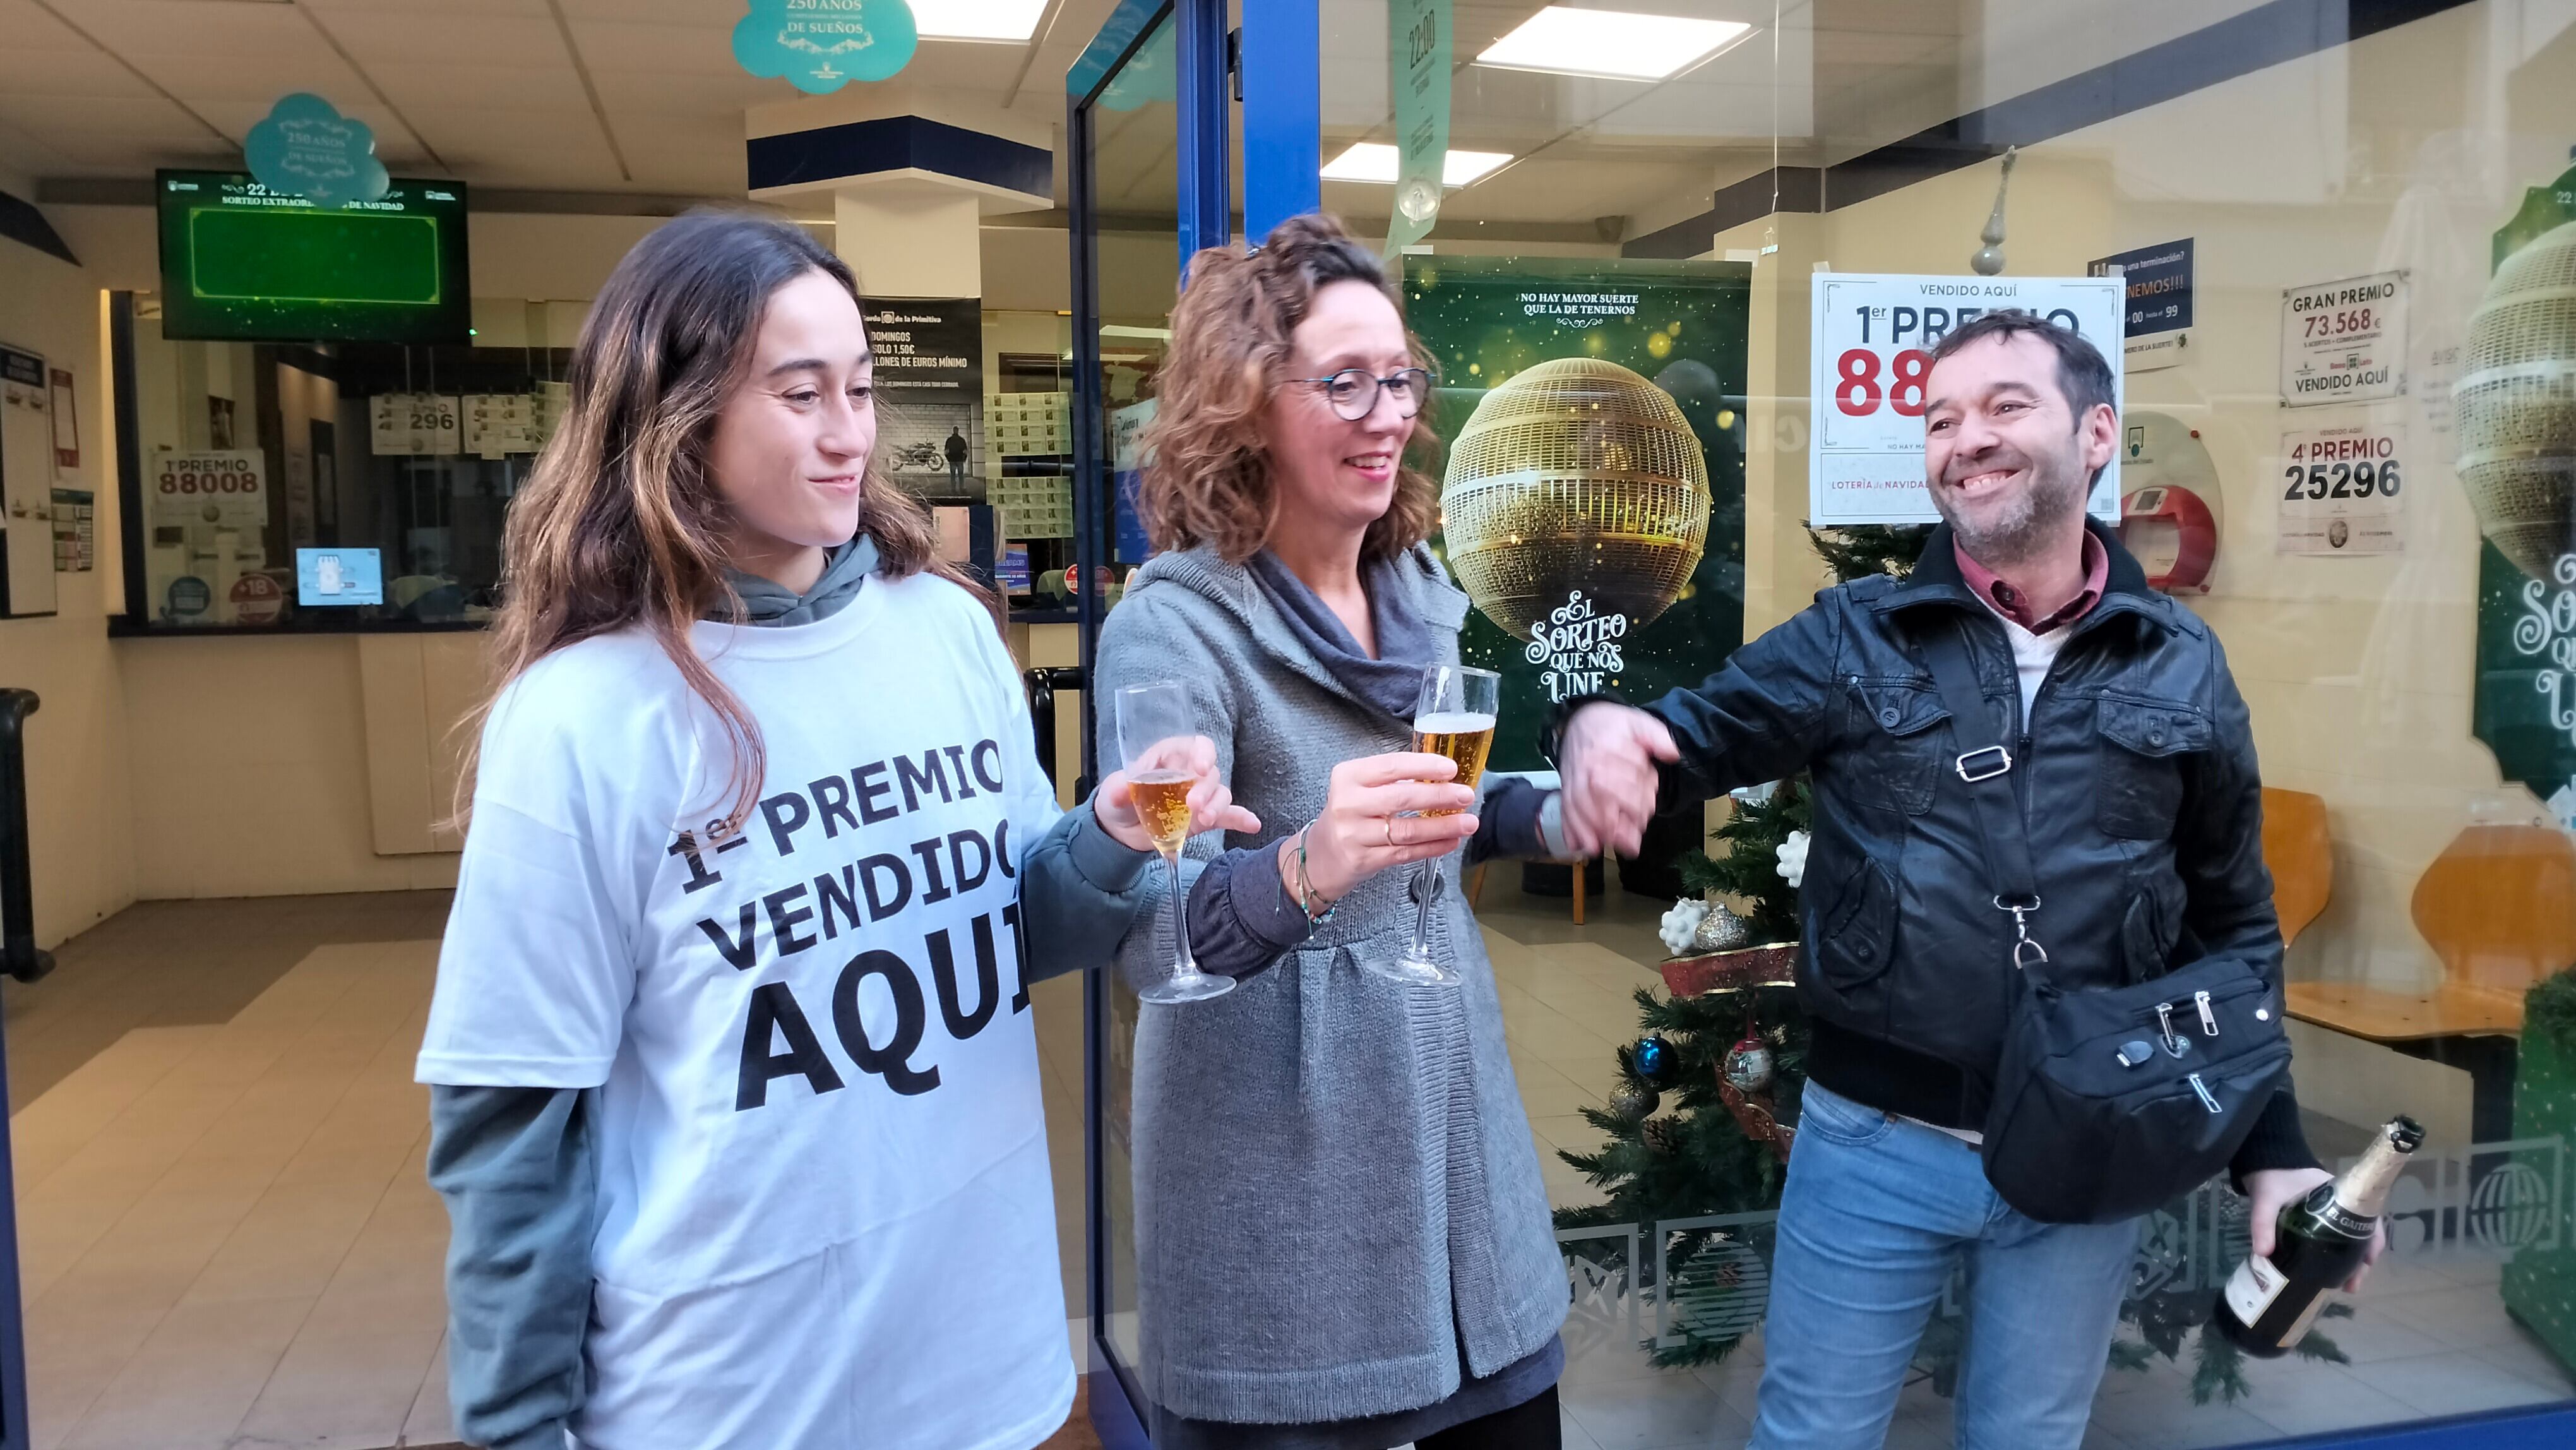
{"points": [[1986, 764]]}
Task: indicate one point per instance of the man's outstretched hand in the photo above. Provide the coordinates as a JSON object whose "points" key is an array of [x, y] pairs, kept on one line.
{"points": [[1608, 754]]}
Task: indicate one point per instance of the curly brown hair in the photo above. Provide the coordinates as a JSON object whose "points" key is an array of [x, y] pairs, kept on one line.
{"points": [[1207, 475]]}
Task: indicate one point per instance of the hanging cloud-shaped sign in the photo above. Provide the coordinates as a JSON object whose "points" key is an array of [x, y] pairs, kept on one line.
{"points": [[305, 147], [823, 45], [1150, 75]]}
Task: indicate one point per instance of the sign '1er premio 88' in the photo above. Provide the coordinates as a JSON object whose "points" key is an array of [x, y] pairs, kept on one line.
{"points": [[1873, 335]]}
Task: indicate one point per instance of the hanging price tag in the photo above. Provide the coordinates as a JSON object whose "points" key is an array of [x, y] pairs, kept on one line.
{"points": [[389, 432], [1872, 337]]}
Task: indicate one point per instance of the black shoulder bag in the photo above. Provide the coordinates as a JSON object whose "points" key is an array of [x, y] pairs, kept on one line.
{"points": [[2109, 1102]]}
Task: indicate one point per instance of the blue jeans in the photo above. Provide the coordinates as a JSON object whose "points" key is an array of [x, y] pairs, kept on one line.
{"points": [[1877, 1214]]}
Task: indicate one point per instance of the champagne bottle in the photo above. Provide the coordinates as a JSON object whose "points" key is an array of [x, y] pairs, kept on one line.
{"points": [[2269, 1302]]}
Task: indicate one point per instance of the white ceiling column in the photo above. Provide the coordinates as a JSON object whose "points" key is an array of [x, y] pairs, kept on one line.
{"points": [[911, 239], [911, 180]]}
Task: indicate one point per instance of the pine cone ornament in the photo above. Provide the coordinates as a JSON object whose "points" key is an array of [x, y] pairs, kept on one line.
{"points": [[1664, 1135]]}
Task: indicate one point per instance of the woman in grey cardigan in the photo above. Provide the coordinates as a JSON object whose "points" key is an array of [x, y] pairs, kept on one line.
{"points": [[1342, 1238]]}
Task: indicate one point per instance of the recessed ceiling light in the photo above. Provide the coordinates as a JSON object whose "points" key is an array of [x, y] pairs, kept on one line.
{"points": [[1612, 44], [1375, 161], [1008, 20]]}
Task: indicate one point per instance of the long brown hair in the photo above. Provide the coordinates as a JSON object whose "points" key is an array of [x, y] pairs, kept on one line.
{"points": [[621, 524], [1207, 480]]}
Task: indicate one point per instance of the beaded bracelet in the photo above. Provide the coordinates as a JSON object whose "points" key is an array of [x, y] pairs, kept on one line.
{"points": [[1307, 896]]}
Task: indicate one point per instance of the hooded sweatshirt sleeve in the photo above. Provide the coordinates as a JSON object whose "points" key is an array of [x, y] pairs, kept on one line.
{"points": [[519, 1170]]}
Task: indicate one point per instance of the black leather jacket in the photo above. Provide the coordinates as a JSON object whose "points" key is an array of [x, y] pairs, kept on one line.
{"points": [[2139, 788]]}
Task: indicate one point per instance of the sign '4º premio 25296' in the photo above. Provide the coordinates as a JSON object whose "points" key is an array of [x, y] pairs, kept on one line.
{"points": [[1872, 337]]}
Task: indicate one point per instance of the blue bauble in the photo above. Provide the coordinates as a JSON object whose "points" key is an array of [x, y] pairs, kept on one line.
{"points": [[1654, 1059]]}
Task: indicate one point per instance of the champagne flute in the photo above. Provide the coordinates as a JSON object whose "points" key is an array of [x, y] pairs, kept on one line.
{"points": [[1453, 716], [1155, 727]]}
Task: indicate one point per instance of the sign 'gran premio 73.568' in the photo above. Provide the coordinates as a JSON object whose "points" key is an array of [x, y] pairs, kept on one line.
{"points": [[1873, 335], [2344, 341]]}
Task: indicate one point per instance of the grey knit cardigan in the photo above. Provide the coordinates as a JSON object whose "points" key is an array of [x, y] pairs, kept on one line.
{"points": [[1335, 1184]]}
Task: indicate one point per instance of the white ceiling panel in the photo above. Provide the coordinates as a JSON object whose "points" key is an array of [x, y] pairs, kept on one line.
{"points": [[67, 73], [205, 29], [494, 42], [689, 49], [256, 79], [30, 27], [441, 12], [718, 15], [962, 65], [103, 156], [451, 88], [52, 117], [22, 154], [689, 95]]}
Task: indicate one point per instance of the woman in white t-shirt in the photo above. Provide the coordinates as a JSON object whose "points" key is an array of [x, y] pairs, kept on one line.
{"points": [[735, 1098]]}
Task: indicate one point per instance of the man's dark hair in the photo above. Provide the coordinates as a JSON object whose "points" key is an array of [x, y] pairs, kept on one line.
{"points": [[2082, 376]]}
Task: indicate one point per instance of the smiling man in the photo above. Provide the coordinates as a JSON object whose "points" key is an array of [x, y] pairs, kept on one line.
{"points": [[2132, 761]]}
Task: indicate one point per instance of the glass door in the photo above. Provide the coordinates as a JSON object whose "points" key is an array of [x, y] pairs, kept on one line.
{"points": [[1147, 188]]}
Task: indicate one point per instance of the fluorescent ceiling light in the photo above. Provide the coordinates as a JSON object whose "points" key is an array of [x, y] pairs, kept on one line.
{"points": [[1612, 44], [1012, 20], [1375, 161]]}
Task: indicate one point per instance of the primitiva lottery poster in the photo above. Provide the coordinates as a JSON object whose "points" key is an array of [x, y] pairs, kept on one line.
{"points": [[1592, 496]]}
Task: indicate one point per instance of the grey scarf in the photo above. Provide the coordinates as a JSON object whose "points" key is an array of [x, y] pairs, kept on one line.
{"points": [[1392, 681], [769, 603]]}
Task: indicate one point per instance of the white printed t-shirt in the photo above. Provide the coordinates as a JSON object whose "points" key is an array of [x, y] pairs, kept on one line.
{"points": [[825, 1215]]}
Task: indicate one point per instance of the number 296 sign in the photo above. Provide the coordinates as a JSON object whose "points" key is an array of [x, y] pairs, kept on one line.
{"points": [[1873, 335]]}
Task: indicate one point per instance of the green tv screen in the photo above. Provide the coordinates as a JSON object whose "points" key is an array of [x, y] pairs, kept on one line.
{"points": [[239, 261]]}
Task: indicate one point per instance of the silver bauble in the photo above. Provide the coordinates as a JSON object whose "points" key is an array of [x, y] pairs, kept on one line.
{"points": [[1721, 931], [1749, 1066], [2517, 405], [1634, 1103]]}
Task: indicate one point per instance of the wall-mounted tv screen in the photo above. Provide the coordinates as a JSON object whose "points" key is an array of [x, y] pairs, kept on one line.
{"points": [[239, 261]]}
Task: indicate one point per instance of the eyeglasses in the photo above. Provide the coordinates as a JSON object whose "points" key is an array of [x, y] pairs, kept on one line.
{"points": [[1353, 391]]}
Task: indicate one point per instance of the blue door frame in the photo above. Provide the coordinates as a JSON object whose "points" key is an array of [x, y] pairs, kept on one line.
{"points": [[1282, 177], [1199, 57]]}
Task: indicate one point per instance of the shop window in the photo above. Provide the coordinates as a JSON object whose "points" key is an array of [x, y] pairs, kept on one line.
{"points": [[328, 486], [2402, 651]]}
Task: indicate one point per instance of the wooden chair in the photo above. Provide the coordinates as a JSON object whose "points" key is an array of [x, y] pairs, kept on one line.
{"points": [[2498, 907], [2300, 854]]}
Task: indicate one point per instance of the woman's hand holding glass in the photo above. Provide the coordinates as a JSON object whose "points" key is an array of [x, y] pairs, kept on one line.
{"points": [[1375, 818], [1211, 804]]}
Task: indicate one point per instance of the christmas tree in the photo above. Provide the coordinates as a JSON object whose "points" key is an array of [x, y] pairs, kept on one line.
{"points": [[1713, 1153], [1701, 1159]]}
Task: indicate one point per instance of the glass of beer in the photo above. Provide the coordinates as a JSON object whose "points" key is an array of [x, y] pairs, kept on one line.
{"points": [[1453, 716], [1155, 731]]}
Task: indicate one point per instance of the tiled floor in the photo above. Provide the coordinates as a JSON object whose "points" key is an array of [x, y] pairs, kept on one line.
{"points": [[227, 1240], [224, 1229], [225, 1233]]}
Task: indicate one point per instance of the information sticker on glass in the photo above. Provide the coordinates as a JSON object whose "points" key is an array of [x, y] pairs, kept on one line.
{"points": [[2344, 341], [1871, 339], [339, 576], [2340, 486]]}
